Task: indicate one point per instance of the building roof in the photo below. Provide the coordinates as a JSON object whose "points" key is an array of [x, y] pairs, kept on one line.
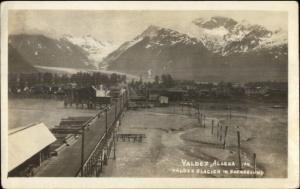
{"points": [[177, 90], [24, 142]]}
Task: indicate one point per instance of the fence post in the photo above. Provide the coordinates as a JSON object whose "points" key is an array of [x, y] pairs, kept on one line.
{"points": [[254, 164], [229, 112], [204, 120], [212, 127], [218, 128], [198, 111], [200, 119], [225, 134], [114, 139], [221, 133], [239, 150]]}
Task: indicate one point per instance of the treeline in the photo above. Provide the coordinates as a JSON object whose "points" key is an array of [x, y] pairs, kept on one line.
{"points": [[212, 90], [167, 81], [80, 79]]}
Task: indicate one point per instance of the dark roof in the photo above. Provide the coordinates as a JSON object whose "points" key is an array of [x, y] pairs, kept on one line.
{"points": [[177, 90]]}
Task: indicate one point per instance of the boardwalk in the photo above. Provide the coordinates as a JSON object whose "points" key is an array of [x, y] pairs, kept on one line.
{"points": [[68, 162]]}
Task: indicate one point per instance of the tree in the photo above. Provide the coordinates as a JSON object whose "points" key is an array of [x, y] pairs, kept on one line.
{"points": [[141, 79], [113, 79], [48, 77], [167, 80], [156, 79]]}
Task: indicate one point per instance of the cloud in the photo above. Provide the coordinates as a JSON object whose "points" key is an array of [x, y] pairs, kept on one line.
{"points": [[120, 26]]}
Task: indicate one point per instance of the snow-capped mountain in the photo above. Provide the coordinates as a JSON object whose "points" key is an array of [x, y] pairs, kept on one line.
{"points": [[227, 36], [96, 49], [222, 50], [163, 50], [42, 50], [156, 38]]}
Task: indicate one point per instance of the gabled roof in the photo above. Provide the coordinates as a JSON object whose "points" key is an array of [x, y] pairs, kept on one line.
{"points": [[24, 142]]}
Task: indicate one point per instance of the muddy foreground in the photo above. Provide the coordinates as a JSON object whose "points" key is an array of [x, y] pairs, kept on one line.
{"points": [[176, 145]]}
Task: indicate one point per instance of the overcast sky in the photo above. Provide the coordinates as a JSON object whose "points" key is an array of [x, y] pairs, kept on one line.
{"points": [[120, 26]]}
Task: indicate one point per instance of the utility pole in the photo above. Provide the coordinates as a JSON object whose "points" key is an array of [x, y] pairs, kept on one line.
{"points": [[82, 150], [147, 96], [229, 112], [106, 137], [221, 132], [225, 134], [229, 116], [254, 164], [114, 135], [212, 127], [239, 150], [198, 112], [121, 104], [218, 130], [200, 119], [116, 108]]}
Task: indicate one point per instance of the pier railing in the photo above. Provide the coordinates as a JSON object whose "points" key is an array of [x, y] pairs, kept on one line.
{"points": [[92, 166]]}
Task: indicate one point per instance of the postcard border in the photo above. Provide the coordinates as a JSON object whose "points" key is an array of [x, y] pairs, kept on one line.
{"points": [[293, 105]]}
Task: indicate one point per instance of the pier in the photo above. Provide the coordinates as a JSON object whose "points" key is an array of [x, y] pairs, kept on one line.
{"points": [[97, 139]]}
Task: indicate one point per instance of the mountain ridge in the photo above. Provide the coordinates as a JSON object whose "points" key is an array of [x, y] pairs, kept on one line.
{"points": [[96, 49], [38, 49], [227, 36], [164, 50], [17, 64], [223, 50]]}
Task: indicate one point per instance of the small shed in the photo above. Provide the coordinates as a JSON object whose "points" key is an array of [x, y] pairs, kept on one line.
{"points": [[102, 96], [163, 100]]}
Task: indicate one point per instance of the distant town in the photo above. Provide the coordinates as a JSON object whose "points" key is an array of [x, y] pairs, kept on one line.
{"points": [[48, 85]]}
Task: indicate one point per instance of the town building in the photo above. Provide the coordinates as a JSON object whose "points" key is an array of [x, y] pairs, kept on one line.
{"points": [[28, 147]]}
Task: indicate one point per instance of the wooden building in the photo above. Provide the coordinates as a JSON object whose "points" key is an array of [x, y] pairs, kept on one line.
{"points": [[177, 94], [28, 147], [163, 100]]}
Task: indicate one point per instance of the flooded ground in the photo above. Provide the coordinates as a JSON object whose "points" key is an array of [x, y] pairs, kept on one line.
{"points": [[22, 112], [172, 139]]}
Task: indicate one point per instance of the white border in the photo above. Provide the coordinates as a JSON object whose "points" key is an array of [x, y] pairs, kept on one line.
{"points": [[293, 107]]}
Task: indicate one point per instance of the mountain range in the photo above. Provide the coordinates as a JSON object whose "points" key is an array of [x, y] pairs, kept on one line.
{"points": [[227, 36], [226, 51], [96, 49], [221, 49], [41, 50]]}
